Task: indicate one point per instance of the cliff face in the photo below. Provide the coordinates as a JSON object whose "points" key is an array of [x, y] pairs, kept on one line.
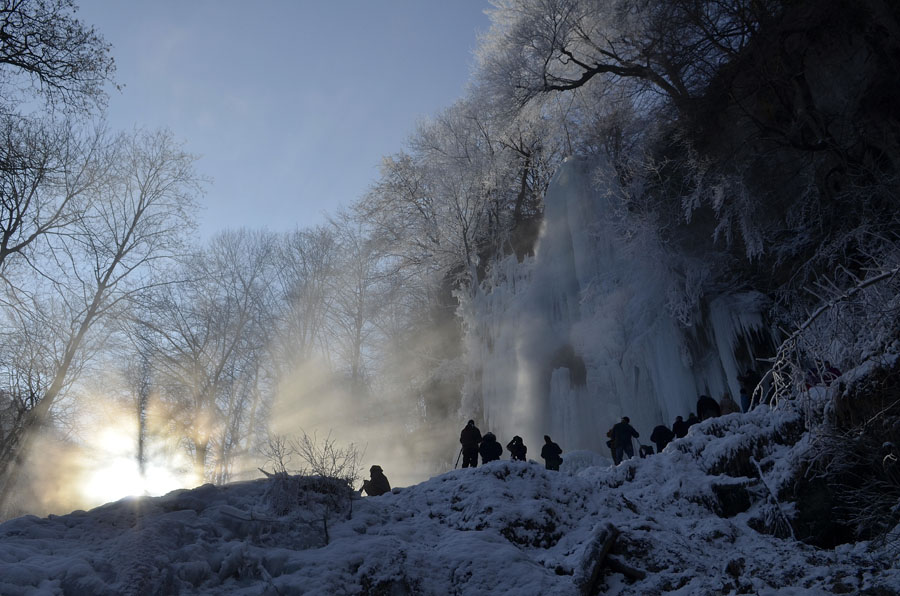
{"points": [[797, 149], [595, 327], [784, 173]]}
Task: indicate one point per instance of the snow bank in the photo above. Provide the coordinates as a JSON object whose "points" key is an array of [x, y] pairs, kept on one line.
{"points": [[504, 528]]}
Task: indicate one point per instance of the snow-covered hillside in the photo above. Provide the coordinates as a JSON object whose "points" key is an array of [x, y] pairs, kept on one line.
{"points": [[684, 521]]}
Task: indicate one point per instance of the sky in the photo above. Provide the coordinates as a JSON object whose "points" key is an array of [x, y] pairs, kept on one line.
{"points": [[290, 105]]}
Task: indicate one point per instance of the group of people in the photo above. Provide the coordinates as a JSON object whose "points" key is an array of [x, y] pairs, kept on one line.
{"points": [[473, 445], [621, 435], [487, 446]]}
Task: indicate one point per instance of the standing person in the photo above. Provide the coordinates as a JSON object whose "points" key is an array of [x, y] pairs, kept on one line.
{"points": [[378, 483], [680, 427], [662, 436], [551, 453], [745, 400], [611, 443], [517, 448], [749, 380], [622, 435], [469, 438], [490, 449], [692, 420]]}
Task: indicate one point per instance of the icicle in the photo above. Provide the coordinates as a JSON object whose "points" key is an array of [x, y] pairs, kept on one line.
{"points": [[582, 334]]}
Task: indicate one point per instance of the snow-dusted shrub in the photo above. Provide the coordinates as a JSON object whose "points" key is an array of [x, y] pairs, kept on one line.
{"points": [[856, 325], [853, 459], [306, 455], [842, 489], [539, 531], [309, 500]]}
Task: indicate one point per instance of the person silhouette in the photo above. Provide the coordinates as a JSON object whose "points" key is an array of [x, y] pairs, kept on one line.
{"points": [[470, 438], [551, 453], [622, 435], [517, 448], [377, 484]]}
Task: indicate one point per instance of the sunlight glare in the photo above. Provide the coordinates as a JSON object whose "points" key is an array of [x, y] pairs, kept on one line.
{"points": [[114, 473]]}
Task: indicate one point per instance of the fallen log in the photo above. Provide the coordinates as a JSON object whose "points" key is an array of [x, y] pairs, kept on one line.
{"points": [[617, 566], [595, 556]]}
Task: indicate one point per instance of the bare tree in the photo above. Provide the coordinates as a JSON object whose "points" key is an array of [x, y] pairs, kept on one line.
{"points": [[324, 488], [49, 172], [65, 62], [137, 219], [435, 207], [327, 458], [277, 452], [355, 297], [675, 48], [46, 166], [306, 262], [208, 332]]}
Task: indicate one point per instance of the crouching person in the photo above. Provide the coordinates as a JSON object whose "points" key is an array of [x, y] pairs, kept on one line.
{"points": [[378, 483]]}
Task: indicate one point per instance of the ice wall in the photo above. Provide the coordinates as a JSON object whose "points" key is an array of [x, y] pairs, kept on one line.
{"points": [[568, 341]]}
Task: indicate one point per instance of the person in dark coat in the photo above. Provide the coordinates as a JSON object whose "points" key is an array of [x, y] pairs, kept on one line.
{"points": [[745, 400], [680, 427], [517, 448], [378, 483], [662, 436], [469, 438], [622, 434], [749, 380], [551, 453], [692, 419], [490, 449], [707, 407], [611, 443]]}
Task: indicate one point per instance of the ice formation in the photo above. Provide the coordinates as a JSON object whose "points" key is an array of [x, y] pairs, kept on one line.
{"points": [[584, 332]]}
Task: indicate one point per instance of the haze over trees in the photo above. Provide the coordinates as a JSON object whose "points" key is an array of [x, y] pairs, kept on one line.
{"points": [[756, 141]]}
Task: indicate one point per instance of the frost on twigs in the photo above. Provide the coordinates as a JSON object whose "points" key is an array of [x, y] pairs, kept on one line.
{"points": [[839, 369], [307, 455], [322, 490], [853, 460]]}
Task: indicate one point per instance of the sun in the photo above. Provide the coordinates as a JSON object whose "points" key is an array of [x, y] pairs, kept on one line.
{"points": [[112, 471]]}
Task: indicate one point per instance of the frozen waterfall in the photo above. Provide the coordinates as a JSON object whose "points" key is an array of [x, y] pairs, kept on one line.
{"points": [[568, 341]]}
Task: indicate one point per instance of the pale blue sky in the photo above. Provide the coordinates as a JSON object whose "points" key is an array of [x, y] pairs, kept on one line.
{"points": [[290, 104]]}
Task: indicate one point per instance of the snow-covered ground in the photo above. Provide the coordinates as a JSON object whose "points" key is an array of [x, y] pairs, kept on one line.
{"points": [[504, 528]]}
